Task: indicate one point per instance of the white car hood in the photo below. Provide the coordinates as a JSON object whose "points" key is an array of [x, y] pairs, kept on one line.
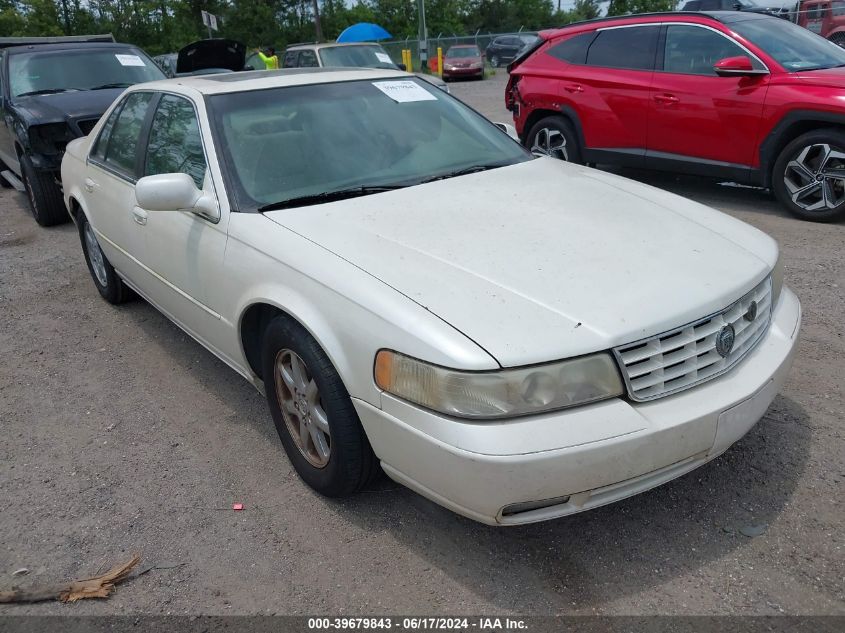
{"points": [[545, 260]]}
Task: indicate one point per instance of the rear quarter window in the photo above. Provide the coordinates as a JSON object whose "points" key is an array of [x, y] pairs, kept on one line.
{"points": [[573, 50]]}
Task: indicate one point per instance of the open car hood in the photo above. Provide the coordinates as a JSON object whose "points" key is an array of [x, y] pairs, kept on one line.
{"points": [[206, 54]]}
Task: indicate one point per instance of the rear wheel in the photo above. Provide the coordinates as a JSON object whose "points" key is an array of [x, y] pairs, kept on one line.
{"points": [[809, 176], [109, 285], [313, 413], [45, 197], [553, 136]]}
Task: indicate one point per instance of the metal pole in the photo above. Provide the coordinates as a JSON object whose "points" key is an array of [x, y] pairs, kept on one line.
{"points": [[423, 36]]}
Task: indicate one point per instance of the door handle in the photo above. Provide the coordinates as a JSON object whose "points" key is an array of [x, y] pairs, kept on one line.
{"points": [[139, 215], [667, 99], [574, 88], [90, 185]]}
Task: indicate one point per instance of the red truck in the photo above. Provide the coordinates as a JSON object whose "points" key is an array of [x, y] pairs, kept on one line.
{"points": [[825, 17]]}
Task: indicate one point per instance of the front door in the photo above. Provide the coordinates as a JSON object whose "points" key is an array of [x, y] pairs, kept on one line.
{"points": [[698, 118]]}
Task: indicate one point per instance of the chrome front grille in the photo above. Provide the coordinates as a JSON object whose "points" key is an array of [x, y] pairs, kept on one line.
{"points": [[678, 359]]}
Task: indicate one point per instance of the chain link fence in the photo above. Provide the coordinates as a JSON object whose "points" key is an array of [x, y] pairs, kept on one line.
{"points": [[395, 47]]}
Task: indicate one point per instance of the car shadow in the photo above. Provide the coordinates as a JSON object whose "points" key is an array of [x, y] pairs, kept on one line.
{"points": [[578, 562], [586, 560]]}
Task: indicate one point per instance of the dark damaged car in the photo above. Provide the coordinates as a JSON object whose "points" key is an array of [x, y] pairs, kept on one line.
{"points": [[53, 92]]}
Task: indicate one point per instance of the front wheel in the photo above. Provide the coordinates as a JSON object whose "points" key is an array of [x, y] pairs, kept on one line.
{"points": [[809, 176], [313, 413], [494, 61], [553, 136], [45, 197]]}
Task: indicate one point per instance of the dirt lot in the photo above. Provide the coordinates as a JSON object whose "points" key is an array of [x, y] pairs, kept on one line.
{"points": [[121, 434]]}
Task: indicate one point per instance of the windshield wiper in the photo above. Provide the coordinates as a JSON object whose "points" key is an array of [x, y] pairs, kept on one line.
{"points": [[463, 172], [114, 85], [329, 196], [44, 91]]}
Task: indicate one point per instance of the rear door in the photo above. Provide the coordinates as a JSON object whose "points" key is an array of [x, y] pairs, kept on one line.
{"points": [[111, 173], [610, 92], [183, 251], [701, 120]]}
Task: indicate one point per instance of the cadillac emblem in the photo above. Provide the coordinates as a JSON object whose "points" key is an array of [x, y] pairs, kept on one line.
{"points": [[725, 340]]}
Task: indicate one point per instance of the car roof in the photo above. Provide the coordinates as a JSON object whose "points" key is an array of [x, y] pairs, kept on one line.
{"points": [[245, 81], [725, 17], [329, 45], [34, 48]]}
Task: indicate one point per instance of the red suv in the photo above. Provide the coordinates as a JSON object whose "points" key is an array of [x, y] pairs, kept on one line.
{"points": [[731, 95]]}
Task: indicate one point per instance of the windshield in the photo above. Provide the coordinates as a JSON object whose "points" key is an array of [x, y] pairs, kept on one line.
{"points": [[299, 141], [79, 69], [463, 52], [368, 56], [793, 47]]}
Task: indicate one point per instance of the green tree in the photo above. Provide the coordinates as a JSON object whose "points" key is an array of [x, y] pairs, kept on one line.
{"points": [[624, 7]]}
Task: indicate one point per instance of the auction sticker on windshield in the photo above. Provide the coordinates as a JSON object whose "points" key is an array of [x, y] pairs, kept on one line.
{"points": [[130, 60], [404, 91], [384, 57]]}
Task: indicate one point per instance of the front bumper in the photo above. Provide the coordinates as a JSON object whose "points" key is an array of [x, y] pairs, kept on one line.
{"points": [[463, 72], [575, 460]]}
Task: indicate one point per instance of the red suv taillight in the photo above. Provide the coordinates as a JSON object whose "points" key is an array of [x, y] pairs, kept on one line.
{"points": [[512, 97]]}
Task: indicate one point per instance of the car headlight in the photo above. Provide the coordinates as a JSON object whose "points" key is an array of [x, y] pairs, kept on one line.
{"points": [[500, 393], [475, 65], [448, 67], [777, 279]]}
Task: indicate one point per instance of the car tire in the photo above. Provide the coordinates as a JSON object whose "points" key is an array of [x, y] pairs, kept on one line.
{"points": [[45, 197], [803, 180], [838, 39], [554, 136], [313, 413], [108, 283], [494, 61]]}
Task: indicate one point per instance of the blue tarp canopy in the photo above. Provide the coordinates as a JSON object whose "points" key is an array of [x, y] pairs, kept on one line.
{"points": [[363, 32]]}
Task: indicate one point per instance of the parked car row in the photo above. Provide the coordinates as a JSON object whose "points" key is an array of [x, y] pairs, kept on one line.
{"points": [[738, 96], [513, 336]]}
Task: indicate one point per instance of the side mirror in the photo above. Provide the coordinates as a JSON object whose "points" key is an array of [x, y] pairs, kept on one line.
{"points": [[508, 129], [736, 66], [401, 66], [174, 192]]}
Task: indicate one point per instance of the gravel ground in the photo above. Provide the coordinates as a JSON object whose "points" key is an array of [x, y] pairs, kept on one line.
{"points": [[121, 435]]}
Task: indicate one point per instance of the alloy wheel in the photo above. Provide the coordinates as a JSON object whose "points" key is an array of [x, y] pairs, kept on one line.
{"points": [[550, 142], [302, 408], [95, 255], [815, 179]]}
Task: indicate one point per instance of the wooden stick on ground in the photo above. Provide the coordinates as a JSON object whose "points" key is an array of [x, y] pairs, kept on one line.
{"points": [[96, 587]]}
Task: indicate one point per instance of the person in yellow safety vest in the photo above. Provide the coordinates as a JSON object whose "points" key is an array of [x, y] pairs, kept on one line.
{"points": [[271, 61]]}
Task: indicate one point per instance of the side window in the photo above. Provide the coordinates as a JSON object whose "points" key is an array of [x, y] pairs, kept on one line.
{"points": [[574, 49], [838, 8], [175, 144], [290, 59], [631, 48], [692, 50], [122, 149], [99, 149], [308, 59]]}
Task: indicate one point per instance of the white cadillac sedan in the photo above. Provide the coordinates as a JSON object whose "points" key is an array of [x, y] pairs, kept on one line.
{"points": [[515, 338]]}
